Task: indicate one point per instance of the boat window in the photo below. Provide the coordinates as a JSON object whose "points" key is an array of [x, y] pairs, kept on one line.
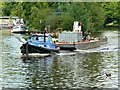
{"points": [[42, 38], [49, 38], [37, 38], [46, 38], [32, 38]]}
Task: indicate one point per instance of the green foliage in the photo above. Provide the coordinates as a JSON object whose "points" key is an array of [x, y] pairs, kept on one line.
{"points": [[7, 8], [111, 11], [96, 17], [1, 7], [66, 25], [18, 10], [62, 14]]}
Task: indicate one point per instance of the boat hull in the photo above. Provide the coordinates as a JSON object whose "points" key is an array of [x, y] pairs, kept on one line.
{"points": [[19, 29], [27, 48], [83, 45], [22, 32]]}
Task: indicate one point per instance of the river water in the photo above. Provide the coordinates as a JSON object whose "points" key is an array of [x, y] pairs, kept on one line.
{"points": [[71, 70]]}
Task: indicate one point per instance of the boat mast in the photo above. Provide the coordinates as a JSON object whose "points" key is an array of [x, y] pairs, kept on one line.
{"points": [[44, 36]]}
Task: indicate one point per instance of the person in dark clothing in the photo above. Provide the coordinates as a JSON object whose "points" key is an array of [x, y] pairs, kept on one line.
{"points": [[83, 31]]}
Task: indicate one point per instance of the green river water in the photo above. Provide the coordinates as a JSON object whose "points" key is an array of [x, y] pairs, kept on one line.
{"points": [[65, 70]]}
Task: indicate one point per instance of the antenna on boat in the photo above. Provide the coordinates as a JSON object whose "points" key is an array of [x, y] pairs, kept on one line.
{"points": [[44, 35]]}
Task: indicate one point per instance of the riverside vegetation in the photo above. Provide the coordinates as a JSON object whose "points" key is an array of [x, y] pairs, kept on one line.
{"points": [[60, 15]]}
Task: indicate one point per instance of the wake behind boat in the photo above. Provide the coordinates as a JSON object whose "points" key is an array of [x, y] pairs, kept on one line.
{"points": [[39, 44]]}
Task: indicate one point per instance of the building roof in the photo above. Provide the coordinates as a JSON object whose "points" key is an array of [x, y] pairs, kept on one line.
{"points": [[7, 17]]}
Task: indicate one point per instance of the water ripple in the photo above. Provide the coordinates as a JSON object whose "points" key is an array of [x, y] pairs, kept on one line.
{"points": [[66, 70]]}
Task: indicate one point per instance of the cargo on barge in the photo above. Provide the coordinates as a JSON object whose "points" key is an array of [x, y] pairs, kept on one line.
{"points": [[76, 40]]}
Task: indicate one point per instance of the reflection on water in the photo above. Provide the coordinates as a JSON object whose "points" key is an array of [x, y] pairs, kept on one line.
{"points": [[79, 69]]}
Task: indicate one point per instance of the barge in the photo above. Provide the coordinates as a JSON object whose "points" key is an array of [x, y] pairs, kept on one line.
{"points": [[75, 40]]}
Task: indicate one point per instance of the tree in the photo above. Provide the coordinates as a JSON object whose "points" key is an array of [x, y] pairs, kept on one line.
{"points": [[7, 8], [96, 16], [39, 16], [1, 7], [63, 14], [18, 10], [111, 11]]}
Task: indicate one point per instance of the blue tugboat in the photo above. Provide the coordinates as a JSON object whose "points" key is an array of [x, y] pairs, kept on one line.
{"points": [[39, 44]]}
